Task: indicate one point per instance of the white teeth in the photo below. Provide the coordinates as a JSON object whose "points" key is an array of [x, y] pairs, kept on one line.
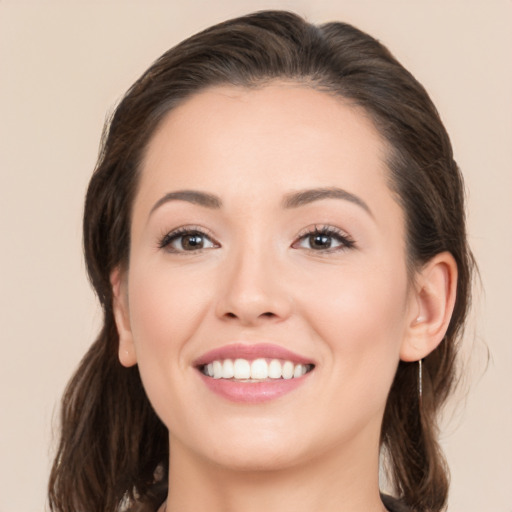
{"points": [[228, 369], [242, 369], [288, 372], [299, 371], [258, 369], [217, 370], [275, 370]]}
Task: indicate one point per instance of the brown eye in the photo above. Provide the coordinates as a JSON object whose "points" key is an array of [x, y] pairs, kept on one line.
{"points": [[186, 241], [327, 239], [191, 242], [320, 241]]}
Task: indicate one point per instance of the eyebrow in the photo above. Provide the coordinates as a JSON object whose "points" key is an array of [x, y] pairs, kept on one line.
{"points": [[191, 196], [303, 197], [292, 200]]}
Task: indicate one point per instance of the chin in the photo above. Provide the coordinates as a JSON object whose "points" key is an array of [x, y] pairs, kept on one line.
{"points": [[258, 460], [253, 449]]}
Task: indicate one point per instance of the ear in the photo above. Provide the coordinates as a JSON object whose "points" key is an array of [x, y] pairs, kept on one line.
{"points": [[431, 308], [126, 354]]}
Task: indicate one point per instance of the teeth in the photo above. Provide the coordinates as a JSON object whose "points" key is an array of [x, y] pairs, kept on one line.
{"points": [[275, 370], [299, 371], [217, 370], [288, 370], [258, 369], [242, 369], [228, 369]]}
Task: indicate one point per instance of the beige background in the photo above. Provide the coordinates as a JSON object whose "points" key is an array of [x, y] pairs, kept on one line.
{"points": [[62, 67]]}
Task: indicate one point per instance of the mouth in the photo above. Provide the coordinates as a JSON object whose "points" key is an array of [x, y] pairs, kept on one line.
{"points": [[256, 370], [253, 373]]}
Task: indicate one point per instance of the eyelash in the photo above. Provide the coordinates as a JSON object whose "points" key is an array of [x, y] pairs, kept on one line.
{"points": [[345, 241], [166, 240]]}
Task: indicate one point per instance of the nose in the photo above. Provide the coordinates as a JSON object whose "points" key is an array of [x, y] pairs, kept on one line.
{"points": [[252, 290]]}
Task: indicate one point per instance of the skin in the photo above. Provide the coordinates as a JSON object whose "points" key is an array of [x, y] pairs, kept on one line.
{"points": [[352, 310]]}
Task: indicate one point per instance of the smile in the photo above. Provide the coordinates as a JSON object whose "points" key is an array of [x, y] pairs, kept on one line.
{"points": [[253, 373], [257, 370]]}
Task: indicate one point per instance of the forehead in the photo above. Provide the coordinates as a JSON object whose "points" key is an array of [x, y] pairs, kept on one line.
{"points": [[298, 121], [262, 141]]}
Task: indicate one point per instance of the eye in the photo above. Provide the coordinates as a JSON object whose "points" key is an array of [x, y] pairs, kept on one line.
{"points": [[326, 239], [187, 240]]}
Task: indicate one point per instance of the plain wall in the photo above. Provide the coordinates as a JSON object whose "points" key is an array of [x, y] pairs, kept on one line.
{"points": [[64, 64]]}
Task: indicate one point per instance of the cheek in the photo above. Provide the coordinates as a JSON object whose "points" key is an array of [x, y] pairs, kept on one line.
{"points": [[165, 309], [361, 317]]}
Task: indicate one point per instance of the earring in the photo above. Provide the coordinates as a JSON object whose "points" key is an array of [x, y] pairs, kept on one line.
{"points": [[420, 379]]}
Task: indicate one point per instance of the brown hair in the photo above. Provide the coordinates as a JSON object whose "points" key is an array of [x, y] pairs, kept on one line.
{"points": [[114, 450]]}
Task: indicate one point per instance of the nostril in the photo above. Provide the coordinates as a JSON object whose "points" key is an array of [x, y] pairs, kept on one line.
{"points": [[268, 314]]}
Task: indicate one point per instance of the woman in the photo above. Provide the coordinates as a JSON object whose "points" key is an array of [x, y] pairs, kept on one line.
{"points": [[275, 230]]}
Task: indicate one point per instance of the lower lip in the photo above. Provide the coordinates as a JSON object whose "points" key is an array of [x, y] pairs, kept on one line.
{"points": [[252, 392]]}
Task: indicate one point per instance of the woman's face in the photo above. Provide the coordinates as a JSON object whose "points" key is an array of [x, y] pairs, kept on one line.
{"points": [[264, 230]]}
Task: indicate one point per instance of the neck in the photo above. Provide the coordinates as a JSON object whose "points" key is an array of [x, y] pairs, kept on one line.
{"points": [[327, 484]]}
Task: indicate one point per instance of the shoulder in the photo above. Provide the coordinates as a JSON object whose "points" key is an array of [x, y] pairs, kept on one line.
{"points": [[394, 505]]}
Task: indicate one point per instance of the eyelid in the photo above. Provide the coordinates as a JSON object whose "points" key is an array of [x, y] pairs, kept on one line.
{"points": [[165, 239], [347, 242]]}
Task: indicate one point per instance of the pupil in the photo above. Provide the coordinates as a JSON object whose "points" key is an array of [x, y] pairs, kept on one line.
{"points": [[320, 241], [192, 242]]}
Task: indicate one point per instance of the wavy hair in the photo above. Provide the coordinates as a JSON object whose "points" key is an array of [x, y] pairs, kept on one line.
{"points": [[113, 451]]}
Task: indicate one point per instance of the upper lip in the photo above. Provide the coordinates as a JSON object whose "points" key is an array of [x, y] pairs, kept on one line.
{"points": [[251, 351]]}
